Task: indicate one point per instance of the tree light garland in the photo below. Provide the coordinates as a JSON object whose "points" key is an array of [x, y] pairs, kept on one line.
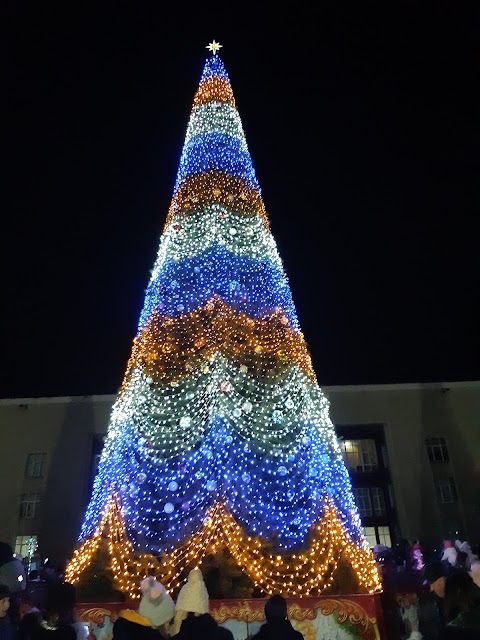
{"points": [[220, 433]]}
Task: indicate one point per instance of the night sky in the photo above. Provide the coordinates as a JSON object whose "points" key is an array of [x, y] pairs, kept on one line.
{"points": [[363, 124]]}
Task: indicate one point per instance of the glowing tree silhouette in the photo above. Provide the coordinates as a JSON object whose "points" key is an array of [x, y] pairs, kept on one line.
{"points": [[220, 434]]}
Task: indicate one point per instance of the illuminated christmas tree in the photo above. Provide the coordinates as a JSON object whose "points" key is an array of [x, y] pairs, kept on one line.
{"points": [[220, 434]]}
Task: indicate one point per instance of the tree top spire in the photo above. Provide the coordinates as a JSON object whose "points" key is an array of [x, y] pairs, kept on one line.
{"points": [[214, 47]]}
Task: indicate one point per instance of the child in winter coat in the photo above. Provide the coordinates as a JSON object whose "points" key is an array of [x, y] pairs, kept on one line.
{"points": [[152, 621], [193, 598]]}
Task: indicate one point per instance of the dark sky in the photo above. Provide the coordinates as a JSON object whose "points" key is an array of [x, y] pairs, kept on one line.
{"points": [[363, 123]]}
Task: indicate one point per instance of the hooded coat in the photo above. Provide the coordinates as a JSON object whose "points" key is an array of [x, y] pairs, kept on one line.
{"points": [[193, 596], [156, 603]]}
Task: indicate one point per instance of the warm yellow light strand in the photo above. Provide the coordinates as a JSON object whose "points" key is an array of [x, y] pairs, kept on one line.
{"points": [[170, 348], [305, 574]]}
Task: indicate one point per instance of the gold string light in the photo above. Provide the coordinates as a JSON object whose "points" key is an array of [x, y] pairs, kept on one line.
{"points": [[169, 348], [304, 574], [200, 190]]}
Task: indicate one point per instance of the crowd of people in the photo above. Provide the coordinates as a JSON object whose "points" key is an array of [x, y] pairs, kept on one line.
{"points": [[448, 584], [53, 615], [452, 579]]}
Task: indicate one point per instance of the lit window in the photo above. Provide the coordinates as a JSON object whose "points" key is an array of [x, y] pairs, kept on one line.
{"points": [[437, 449], [384, 536], [360, 455], [445, 490], [370, 535], [364, 503], [26, 545], [30, 505], [36, 465]]}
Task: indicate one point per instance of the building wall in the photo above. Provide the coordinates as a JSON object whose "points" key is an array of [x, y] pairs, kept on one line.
{"points": [[69, 430], [64, 428], [410, 414]]}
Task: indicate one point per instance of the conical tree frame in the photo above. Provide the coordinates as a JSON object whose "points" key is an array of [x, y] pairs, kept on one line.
{"points": [[220, 434]]}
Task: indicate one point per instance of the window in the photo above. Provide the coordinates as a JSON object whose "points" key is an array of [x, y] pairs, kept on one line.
{"points": [[25, 545], [36, 465], [437, 449], [364, 503], [360, 455], [380, 534], [370, 535], [30, 505], [370, 501], [384, 536], [378, 501], [446, 490]]}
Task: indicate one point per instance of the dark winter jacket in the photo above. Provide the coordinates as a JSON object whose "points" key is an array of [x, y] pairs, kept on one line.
{"points": [[32, 627], [127, 630], [278, 630], [6, 630], [466, 626], [202, 627]]}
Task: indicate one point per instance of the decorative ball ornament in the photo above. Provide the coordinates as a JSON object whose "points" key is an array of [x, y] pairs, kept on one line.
{"points": [[211, 485], [247, 406], [277, 416], [226, 386], [185, 422], [289, 403], [282, 471], [169, 508], [246, 477], [141, 477], [173, 486], [237, 412], [243, 368]]}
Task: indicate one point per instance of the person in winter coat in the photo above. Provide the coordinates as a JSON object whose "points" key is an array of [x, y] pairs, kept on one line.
{"points": [[449, 552], [462, 607], [6, 629], [155, 612], [12, 575], [193, 598], [204, 627], [59, 621], [277, 626]]}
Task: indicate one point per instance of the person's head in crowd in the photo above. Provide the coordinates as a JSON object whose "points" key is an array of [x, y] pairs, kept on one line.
{"points": [[156, 604], [61, 601], [435, 575], [276, 608], [4, 600], [6, 553], [462, 560], [461, 594]]}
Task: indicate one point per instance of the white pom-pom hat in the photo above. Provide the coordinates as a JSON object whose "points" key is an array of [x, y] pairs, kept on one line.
{"points": [[156, 604]]}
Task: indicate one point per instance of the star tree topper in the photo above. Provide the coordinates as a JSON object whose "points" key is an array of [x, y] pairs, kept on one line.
{"points": [[214, 47]]}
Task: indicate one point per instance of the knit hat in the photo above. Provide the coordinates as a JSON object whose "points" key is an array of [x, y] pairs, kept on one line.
{"points": [[193, 595], [156, 604]]}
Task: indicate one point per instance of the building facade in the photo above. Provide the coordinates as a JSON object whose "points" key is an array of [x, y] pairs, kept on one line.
{"points": [[412, 450]]}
